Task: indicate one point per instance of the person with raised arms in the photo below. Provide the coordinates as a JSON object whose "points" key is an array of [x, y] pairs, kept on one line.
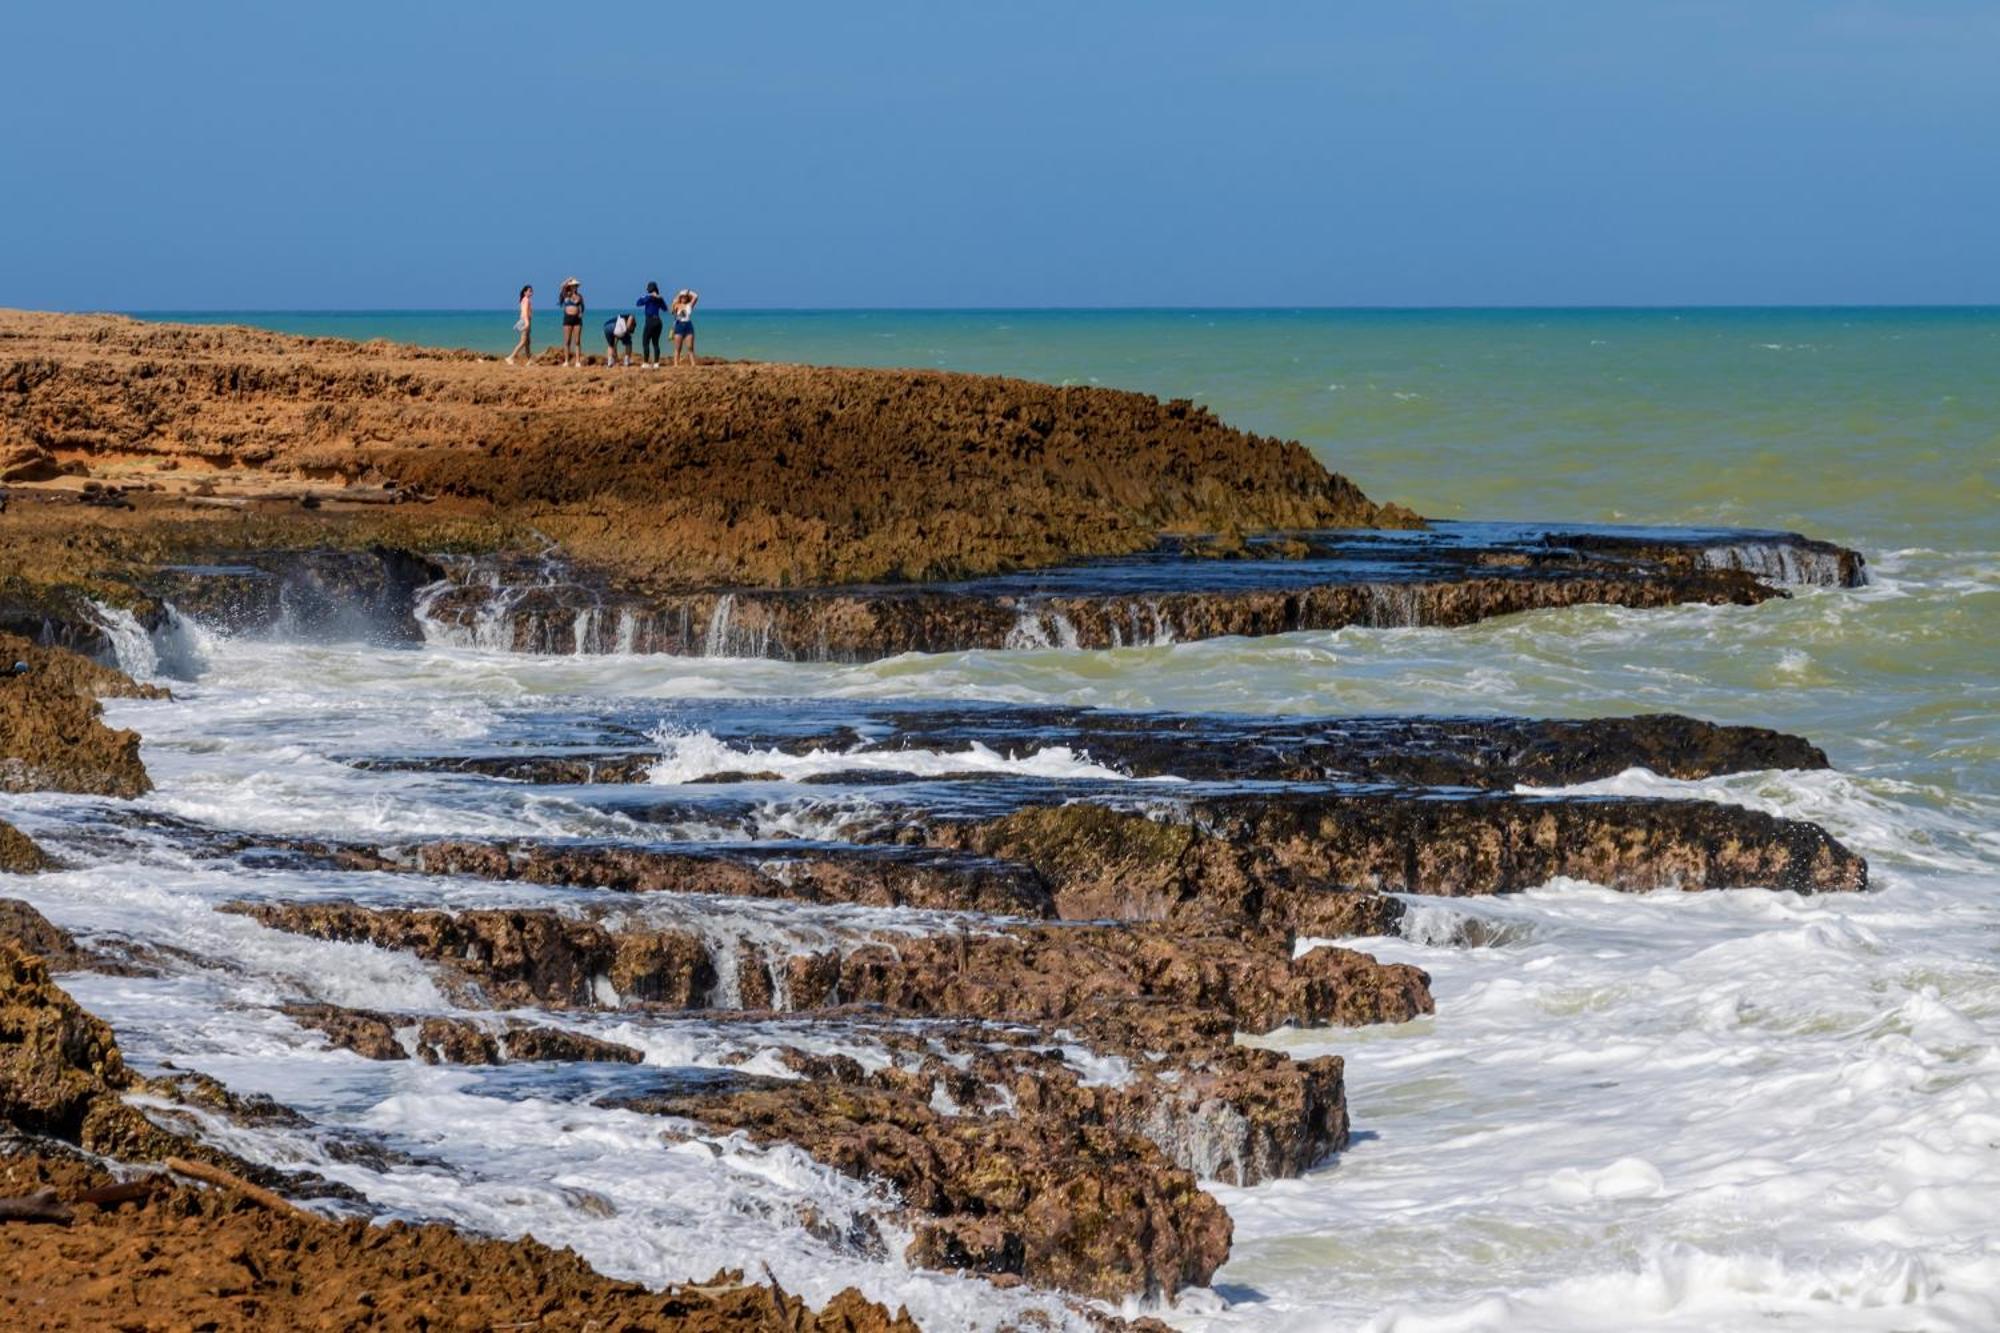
{"points": [[683, 310]]}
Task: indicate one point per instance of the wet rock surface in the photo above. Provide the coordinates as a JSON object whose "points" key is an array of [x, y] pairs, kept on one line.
{"points": [[1448, 576], [318, 595], [1220, 1110], [1317, 862], [1081, 1207], [1052, 973], [1483, 752], [161, 1252], [58, 1065], [864, 876], [63, 1078], [1006, 1157], [434, 1040], [19, 854], [36, 934], [1052, 992], [144, 1247], [1480, 752]]}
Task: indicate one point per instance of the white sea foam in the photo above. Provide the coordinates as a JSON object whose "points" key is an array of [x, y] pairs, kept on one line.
{"points": [[131, 644], [688, 756]]}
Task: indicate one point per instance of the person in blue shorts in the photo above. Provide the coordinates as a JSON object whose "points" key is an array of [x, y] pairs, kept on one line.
{"points": [[683, 310], [652, 306]]}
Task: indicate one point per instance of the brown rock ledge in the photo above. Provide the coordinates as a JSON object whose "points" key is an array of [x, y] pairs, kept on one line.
{"points": [[751, 475], [1003, 1155], [178, 1257], [161, 1254], [1079, 1207], [437, 1040], [1006, 1160], [864, 876], [1420, 750], [1316, 863], [1030, 974], [52, 736], [19, 853]]}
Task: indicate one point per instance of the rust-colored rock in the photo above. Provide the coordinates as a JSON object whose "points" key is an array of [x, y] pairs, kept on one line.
{"points": [[182, 1257], [52, 735], [1085, 1208], [869, 877], [1052, 974], [509, 958], [37, 935], [1104, 863], [19, 853], [1220, 1110], [223, 1259], [1318, 863], [438, 1040], [1031, 974], [57, 1063], [1009, 1155], [1498, 844], [760, 475]]}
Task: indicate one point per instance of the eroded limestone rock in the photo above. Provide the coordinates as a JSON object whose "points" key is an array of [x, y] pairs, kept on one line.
{"points": [[52, 734]]}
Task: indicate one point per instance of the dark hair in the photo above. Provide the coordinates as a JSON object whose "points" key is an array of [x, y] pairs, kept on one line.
{"points": [[525, 289], [652, 289]]}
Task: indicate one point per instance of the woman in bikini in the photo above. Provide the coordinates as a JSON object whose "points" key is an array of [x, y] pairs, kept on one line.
{"points": [[683, 312], [571, 301], [524, 325]]}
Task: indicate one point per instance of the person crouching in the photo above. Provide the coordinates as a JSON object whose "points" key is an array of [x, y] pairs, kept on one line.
{"points": [[617, 332]]}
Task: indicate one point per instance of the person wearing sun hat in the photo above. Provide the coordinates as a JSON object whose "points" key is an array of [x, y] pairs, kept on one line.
{"points": [[683, 330], [570, 298]]}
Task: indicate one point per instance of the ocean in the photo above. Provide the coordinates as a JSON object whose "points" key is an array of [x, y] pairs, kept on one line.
{"points": [[1679, 1111]]}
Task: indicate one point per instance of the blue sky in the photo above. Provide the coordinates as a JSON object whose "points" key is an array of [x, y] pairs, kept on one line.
{"points": [[1400, 152]]}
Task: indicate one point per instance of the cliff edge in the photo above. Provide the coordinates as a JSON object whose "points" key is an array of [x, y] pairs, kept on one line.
{"points": [[739, 475]]}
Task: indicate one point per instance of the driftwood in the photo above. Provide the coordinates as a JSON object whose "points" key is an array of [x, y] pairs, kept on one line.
{"points": [[41, 1206], [215, 1175]]}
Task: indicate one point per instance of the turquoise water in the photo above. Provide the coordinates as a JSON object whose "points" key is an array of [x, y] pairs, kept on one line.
{"points": [[1677, 1111], [1879, 427]]}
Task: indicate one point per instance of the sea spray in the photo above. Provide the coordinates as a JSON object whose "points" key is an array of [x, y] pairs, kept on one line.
{"points": [[131, 643]]}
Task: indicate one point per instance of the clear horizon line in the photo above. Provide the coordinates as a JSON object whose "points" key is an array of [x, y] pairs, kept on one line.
{"points": [[507, 307]]}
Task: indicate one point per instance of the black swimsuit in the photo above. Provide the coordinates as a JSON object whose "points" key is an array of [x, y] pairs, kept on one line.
{"points": [[573, 313]]}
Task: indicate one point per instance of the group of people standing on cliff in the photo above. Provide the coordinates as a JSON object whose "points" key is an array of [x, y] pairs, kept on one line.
{"points": [[649, 315]]}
